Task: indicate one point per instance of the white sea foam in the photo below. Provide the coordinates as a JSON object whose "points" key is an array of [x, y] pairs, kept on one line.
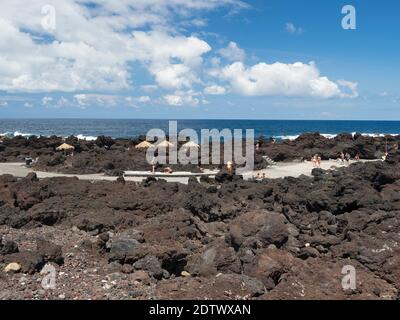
{"points": [[15, 134], [332, 136], [87, 138]]}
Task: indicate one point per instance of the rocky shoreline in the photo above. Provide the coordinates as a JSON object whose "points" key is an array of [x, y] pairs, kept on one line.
{"points": [[221, 239], [113, 156]]}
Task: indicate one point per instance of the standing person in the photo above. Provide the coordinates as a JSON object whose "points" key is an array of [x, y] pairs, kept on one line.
{"points": [[348, 157], [342, 157], [314, 161], [319, 160]]}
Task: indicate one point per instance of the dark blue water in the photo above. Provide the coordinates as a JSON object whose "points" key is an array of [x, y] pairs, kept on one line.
{"points": [[133, 128]]}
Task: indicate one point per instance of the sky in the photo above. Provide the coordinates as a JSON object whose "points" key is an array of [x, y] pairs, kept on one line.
{"points": [[199, 59]]}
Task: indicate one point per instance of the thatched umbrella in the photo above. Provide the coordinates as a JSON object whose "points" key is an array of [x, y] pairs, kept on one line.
{"points": [[190, 144], [65, 147], [165, 144], [144, 145]]}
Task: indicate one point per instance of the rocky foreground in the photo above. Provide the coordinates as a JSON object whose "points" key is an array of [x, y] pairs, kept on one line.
{"points": [[221, 239]]}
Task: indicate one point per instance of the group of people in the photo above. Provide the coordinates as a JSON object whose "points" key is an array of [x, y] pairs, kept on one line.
{"points": [[344, 158], [316, 160]]}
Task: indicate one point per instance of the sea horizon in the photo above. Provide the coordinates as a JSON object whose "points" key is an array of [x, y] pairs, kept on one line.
{"points": [[89, 129]]}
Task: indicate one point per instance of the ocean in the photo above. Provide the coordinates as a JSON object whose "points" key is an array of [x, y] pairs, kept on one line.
{"points": [[128, 128]]}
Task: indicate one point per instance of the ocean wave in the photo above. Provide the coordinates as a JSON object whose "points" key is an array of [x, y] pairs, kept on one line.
{"points": [[15, 134], [22, 134], [332, 136], [290, 137], [87, 138]]}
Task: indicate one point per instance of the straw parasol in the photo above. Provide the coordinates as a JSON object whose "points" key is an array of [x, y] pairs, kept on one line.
{"points": [[190, 144], [144, 145], [65, 147], [165, 144]]}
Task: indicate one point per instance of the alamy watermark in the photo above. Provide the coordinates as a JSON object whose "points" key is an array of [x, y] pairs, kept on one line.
{"points": [[237, 149], [349, 281], [49, 20], [49, 277], [349, 21]]}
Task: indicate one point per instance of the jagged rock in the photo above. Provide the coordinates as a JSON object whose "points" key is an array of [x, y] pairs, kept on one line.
{"points": [[267, 227], [30, 262], [8, 247], [150, 264], [50, 251], [123, 250], [270, 266]]}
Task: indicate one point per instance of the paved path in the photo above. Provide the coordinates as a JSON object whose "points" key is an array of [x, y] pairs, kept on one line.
{"points": [[294, 169], [280, 170], [20, 170]]}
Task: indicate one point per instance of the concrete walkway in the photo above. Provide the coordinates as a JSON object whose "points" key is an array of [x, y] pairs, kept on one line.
{"points": [[280, 170], [20, 170], [294, 169]]}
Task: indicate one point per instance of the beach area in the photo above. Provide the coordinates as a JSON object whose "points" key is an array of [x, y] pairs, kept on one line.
{"points": [[286, 230]]}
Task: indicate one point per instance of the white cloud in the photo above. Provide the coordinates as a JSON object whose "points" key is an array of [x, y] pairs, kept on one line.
{"points": [[292, 29], [172, 60], [81, 99], [233, 52], [3, 104], [97, 99], [297, 79], [144, 99], [184, 98], [28, 105], [350, 87], [215, 90], [62, 102], [173, 100], [46, 100], [91, 48]]}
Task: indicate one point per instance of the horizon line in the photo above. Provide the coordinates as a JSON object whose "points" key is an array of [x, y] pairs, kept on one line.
{"points": [[204, 119]]}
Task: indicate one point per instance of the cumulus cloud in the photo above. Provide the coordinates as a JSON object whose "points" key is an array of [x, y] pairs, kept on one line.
{"points": [[232, 52], [349, 89], [184, 98], [292, 29], [297, 79], [46, 100], [97, 44], [144, 99], [172, 60], [215, 90], [91, 45], [106, 100]]}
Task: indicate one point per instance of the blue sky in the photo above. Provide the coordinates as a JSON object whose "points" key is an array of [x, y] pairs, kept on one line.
{"points": [[271, 59]]}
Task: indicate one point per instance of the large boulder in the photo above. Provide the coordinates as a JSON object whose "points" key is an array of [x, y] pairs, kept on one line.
{"points": [[124, 247], [216, 257], [270, 266], [268, 228]]}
